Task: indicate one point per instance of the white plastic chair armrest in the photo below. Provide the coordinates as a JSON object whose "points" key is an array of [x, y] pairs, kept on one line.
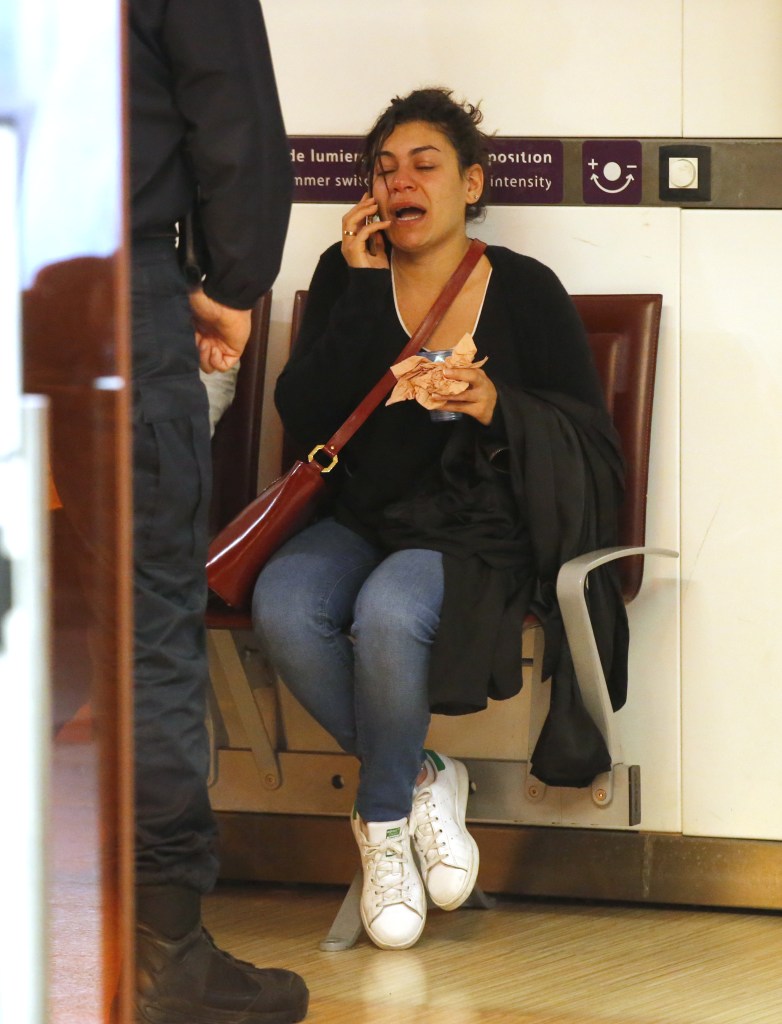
{"points": [[571, 583]]}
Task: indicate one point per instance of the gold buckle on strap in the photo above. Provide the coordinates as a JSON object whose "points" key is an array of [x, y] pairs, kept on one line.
{"points": [[323, 469]]}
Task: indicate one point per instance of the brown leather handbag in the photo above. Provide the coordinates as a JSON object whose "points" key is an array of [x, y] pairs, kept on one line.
{"points": [[242, 548]]}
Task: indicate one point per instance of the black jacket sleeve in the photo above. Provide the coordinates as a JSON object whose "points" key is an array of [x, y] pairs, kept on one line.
{"points": [[341, 351], [225, 89]]}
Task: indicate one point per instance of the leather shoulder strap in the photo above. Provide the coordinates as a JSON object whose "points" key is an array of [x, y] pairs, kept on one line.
{"points": [[424, 331]]}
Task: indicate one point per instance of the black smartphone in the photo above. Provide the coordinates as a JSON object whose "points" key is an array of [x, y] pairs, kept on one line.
{"points": [[371, 239]]}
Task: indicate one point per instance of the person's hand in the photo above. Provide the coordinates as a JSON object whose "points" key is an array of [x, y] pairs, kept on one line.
{"points": [[362, 242], [221, 332], [480, 398]]}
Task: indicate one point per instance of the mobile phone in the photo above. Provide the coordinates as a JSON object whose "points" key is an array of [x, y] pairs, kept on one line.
{"points": [[371, 240]]}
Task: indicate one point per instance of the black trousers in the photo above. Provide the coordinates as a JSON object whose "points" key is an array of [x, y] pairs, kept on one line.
{"points": [[175, 829]]}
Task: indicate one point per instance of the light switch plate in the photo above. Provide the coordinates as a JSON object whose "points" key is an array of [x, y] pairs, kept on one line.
{"points": [[685, 173], [682, 172]]}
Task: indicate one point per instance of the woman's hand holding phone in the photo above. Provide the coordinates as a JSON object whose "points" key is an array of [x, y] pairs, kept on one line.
{"points": [[363, 244]]}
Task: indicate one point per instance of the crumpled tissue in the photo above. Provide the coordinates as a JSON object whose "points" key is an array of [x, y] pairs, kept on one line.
{"points": [[419, 378]]}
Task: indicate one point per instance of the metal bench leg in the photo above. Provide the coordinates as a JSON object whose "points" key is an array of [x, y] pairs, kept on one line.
{"points": [[346, 926], [479, 900]]}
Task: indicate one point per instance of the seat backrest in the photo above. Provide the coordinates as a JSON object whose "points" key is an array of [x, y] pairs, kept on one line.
{"points": [[623, 331], [237, 438], [299, 305]]}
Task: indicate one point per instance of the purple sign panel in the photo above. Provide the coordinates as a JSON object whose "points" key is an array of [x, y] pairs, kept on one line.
{"points": [[325, 168], [526, 171], [521, 171], [611, 171]]}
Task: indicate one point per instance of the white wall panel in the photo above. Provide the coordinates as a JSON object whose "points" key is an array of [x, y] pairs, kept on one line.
{"points": [[556, 68], [733, 68], [731, 542]]}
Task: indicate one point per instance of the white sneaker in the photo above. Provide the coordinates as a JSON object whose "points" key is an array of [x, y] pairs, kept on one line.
{"points": [[447, 853], [393, 902]]}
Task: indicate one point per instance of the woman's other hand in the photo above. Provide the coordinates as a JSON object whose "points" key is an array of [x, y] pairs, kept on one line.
{"points": [[480, 398], [362, 242]]}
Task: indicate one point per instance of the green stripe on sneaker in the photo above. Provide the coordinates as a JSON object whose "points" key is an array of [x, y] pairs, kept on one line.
{"points": [[436, 760]]}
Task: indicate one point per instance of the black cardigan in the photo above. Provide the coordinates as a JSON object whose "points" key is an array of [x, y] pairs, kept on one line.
{"points": [[350, 335], [408, 482]]}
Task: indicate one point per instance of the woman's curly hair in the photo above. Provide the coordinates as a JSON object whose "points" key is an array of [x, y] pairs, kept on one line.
{"points": [[457, 121]]}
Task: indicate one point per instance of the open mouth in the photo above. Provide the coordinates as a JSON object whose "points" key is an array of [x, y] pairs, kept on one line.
{"points": [[409, 213]]}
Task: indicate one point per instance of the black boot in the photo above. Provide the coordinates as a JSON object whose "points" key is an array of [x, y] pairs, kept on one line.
{"points": [[186, 979]]}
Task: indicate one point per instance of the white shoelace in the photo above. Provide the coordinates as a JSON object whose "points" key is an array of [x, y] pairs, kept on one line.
{"points": [[431, 847], [389, 875]]}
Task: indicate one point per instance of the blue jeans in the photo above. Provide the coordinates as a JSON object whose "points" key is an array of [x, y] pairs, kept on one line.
{"points": [[349, 629]]}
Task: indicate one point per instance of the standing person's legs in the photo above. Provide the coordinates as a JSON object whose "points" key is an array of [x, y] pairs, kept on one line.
{"points": [[181, 975], [175, 831]]}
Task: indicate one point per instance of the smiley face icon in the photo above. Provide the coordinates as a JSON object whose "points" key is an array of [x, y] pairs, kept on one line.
{"points": [[611, 171]]}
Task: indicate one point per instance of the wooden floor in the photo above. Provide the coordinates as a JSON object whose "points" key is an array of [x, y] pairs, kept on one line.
{"points": [[74, 896], [525, 962]]}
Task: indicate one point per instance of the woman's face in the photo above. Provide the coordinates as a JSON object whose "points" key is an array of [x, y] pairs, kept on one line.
{"points": [[421, 189]]}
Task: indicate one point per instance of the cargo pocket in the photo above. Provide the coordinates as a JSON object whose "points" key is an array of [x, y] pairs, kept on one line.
{"points": [[171, 469]]}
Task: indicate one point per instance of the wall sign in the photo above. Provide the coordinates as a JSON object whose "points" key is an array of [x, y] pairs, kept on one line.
{"points": [[729, 174], [526, 171], [522, 171], [325, 168], [612, 171]]}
